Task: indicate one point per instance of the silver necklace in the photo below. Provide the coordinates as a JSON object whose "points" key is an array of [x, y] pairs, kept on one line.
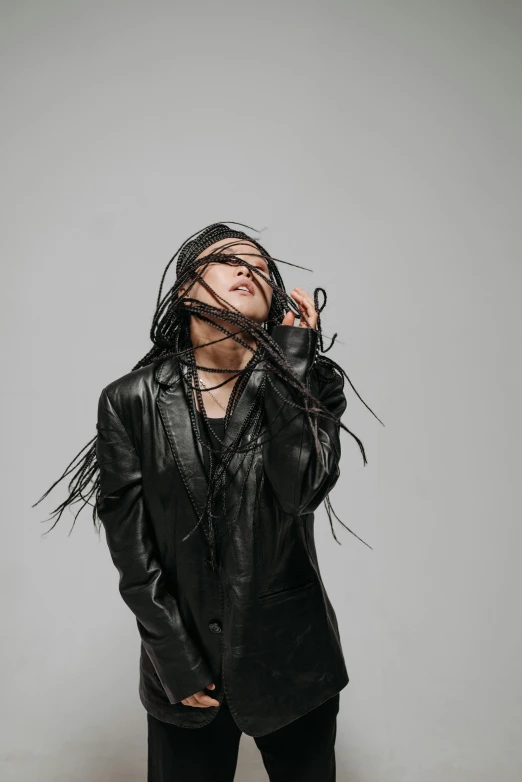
{"points": [[201, 383]]}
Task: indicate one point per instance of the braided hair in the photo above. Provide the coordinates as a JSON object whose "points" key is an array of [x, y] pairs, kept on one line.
{"points": [[170, 335]]}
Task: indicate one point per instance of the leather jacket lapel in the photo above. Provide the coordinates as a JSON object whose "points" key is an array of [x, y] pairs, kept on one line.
{"points": [[184, 446]]}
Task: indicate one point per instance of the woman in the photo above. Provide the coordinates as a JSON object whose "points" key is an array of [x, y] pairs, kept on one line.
{"points": [[210, 459]]}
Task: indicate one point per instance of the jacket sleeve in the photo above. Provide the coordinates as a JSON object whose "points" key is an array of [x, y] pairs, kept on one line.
{"points": [[298, 478], [179, 664]]}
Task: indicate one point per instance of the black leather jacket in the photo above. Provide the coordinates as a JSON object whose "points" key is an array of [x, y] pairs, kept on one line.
{"points": [[261, 626]]}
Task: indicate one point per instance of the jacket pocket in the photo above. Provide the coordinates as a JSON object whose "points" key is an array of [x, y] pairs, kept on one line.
{"points": [[283, 591]]}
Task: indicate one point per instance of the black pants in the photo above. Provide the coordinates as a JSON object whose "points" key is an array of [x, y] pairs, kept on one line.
{"points": [[302, 751]]}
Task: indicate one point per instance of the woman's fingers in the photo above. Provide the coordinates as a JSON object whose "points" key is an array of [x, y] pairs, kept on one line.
{"points": [[200, 700], [306, 306], [289, 319]]}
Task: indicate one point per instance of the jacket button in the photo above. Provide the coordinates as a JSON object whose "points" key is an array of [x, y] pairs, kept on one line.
{"points": [[215, 627]]}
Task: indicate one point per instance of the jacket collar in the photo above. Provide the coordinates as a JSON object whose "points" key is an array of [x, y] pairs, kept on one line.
{"points": [[187, 451]]}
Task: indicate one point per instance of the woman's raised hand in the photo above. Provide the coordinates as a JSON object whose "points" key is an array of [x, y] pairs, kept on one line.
{"points": [[306, 305]]}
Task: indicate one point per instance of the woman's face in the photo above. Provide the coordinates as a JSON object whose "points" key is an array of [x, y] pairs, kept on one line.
{"points": [[224, 278]]}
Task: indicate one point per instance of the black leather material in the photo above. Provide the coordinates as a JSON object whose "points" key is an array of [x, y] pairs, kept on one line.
{"points": [[261, 625]]}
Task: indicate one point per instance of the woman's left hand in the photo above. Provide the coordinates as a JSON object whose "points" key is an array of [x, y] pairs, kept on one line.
{"points": [[306, 305]]}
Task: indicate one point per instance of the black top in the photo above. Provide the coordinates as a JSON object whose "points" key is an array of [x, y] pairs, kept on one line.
{"points": [[218, 425]]}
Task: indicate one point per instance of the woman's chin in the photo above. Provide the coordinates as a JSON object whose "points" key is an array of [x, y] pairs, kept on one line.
{"points": [[248, 311]]}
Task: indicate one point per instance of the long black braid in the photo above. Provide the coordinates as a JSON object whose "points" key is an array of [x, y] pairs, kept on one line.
{"points": [[170, 334]]}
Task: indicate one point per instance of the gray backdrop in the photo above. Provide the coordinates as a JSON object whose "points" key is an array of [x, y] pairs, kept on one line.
{"points": [[379, 145]]}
